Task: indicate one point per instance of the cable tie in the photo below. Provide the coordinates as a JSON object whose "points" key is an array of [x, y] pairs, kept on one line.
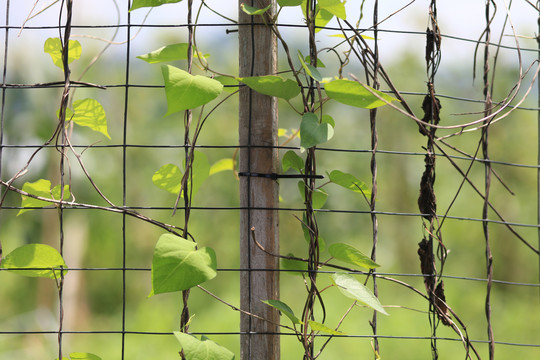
{"points": [[275, 176]]}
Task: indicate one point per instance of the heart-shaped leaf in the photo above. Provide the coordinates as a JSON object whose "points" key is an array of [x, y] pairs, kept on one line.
{"points": [[222, 165], [352, 288], [350, 182], [185, 91], [318, 197], [289, 2], [272, 85], [204, 349], [41, 188], [322, 18], [309, 69], [353, 93], [35, 256], [167, 53], [284, 309], [335, 7], [53, 47], [90, 113], [292, 161], [317, 326], [178, 265], [150, 3], [351, 255], [312, 132]]}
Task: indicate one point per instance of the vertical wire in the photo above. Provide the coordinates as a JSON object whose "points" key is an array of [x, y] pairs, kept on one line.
{"points": [[3, 104], [124, 179]]}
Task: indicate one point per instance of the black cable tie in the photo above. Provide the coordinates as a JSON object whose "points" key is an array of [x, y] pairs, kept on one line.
{"points": [[275, 176]]}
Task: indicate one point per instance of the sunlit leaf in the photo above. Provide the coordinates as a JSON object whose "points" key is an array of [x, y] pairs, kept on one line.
{"points": [[317, 326], [53, 47], [353, 93], [289, 2], [167, 53], [222, 165], [90, 113], [273, 85], [250, 10], [284, 309], [204, 349], [150, 3], [293, 267], [292, 161], [312, 132], [185, 91], [352, 288], [309, 69], [35, 256], [335, 7], [230, 84], [350, 182], [320, 64], [83, 356], [322, 18], [178, 265], [41, 188], [351, 255]]}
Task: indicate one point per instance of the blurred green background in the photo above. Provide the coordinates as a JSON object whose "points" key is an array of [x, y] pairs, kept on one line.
{"points": [[93, 239]]}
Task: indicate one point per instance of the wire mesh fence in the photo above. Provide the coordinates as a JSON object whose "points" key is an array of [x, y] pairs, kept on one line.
{"points": [[406, 161]]}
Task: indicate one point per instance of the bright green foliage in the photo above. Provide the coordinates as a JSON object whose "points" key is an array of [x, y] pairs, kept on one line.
{"points": [[352, 288], [335, 7], [53, 47], [350, 182], [318, 197], [322, 17], [150, 3], [82, 356], [204, 349], [293, 267], [289, 2], [320, 64], [327, 119], [317, 326], [185, 91], [222, 165], [312, 132], [178, 265], [41, 188], [34, 256], [169, 177], [351, 255], [90, 113], [250, 10], [272, 85], [167, 53], [309, 69], [292, 161], [284, 309], [353, 93], [227, 80]]}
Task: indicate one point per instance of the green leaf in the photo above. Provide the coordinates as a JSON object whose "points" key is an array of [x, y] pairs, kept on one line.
{"points": [[185, 91], [250, 10], [353, 93], [272, 85], [41, 188], [222, 165], [284, 309], [322, 17], [320, 64], [167, 53], [335, 7], [293, 267], [35, 256], [289, 2], [204, 349], [178, 265], [352, 288], [227, 80], [53, 47], [150, 3], [351, 255], [292, 161], [327, 119], [169, 177], [309, 69], [318, 198], [83, 356], [312, 132], [350, 182], [317, 326], [90, 113]]}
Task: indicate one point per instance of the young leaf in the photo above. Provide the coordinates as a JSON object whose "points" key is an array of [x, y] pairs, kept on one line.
{"points": [[312, 132], [178, 265], [335, 7], [272, 85], [34, 256], [222, 165], [318, 198], [41, 188], [90, 113], [350, 182], [250, 10], [53, 47], [292, 161], [284, 309], [317, 326], [204, 349], [231, 82], [167, 53], [322, 18], [353, 93], [150, 3], [294, 267], [185, 91], [309, 69], [283, 3], [83, 356], [320, 64], [351, 255], [327, 119], [352, 288]]}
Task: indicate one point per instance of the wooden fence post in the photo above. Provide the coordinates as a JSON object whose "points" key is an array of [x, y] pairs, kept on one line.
{"points": [[258, 155]]}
